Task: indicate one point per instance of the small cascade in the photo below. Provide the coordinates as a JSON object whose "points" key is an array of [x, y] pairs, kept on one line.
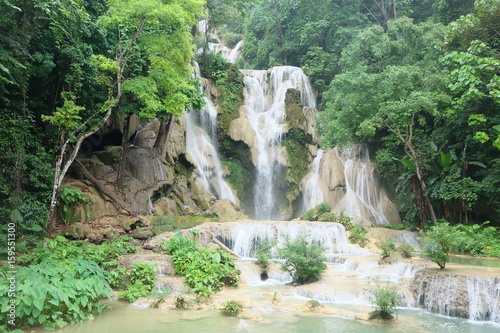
{"points": [[313, 195], [265, 105], [407, 237], [484, 298], [456, 295], [201, 147], [242, 237], [231, 55], [205, 157], [363, 188]]}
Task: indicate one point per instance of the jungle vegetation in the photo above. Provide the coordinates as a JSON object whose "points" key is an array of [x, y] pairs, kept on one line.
{"points": [[416, 80]]}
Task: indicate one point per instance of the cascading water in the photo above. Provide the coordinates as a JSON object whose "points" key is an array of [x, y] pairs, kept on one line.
{"points": [[363, 188], [201, 148], [265, 104], [313, 195], [243, 237]]}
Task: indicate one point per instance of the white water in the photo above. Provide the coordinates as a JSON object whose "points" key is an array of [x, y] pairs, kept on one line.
{"points": [[363, 188], [204, 155], [265, 104], [242, 237], [484, 298], [201, 148], [313, 195]]}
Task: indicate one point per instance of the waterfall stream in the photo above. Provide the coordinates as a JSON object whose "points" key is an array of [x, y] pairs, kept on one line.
{"points": [[265, 105], [201, 146]]}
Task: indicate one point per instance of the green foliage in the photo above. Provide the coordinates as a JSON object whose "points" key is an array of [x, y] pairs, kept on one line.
{"points": [[59, 249], [231, 308], [134, 291], [238, 177], [304, 261], [386, 300], [478, 239], [70, 196], [406, 250], [205, 271], [439, 241], [263, 251], [315, 213], [387, 248], [56, 293]]}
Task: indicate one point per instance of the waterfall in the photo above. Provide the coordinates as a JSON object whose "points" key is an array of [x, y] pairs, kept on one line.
{"points": [[242, 237], [265, 104], [231, 55], [484, 298], [313, 195], [201, 148], [363, 188], [457, 295]]}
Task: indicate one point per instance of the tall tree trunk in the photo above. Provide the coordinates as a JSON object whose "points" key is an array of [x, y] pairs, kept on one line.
{"points": [[161, 143]]}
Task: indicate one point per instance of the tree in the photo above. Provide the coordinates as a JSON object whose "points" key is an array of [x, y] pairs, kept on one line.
{"points": [[303, 260], [161, 30], [475, 69], [440, 240], [391, 85]]}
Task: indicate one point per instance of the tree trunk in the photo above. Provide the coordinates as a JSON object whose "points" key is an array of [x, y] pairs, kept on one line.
{"points": [[104, 190], [163, 136]]}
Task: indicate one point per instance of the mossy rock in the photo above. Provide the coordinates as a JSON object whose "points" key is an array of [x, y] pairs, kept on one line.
{"points": [[327, 217]]}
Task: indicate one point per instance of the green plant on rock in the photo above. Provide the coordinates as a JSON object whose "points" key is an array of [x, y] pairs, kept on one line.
{"points": [[263, 251], [386, 300], [69, 196], [358, 235], [440, 240], [387, 248], [181, 303], [304, 261], [320, 210], [231, 308], [406, 250]]}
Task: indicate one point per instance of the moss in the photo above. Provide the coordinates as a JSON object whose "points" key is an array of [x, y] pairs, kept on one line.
{"points": [[239, 177], [299, 156], [294, 110]]}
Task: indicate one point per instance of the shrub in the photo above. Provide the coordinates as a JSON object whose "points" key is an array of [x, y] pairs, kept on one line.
{"points": [[305, 262], [134, 291], [327, 217], [231, 308], [263, 251], [181, 303], [440, 240], [387, 248], [386, 301], [315, 213], [406, 250], [205, 271], [70, 196], [358, 235], [54, 294]]}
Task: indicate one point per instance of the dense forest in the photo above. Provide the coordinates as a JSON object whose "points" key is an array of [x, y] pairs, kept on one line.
{"points": [[416, 80]]}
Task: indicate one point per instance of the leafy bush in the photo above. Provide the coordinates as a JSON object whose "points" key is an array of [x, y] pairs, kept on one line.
{"points": [[55, 294], [263, 251], [406, 250], [231, 308], [387, 248], [69, 196], [315, 213], [305, 262], [134, 291], [60, 248], [440, 240], [358, 235], [205, 271], [386, 301], [327, 217]]}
